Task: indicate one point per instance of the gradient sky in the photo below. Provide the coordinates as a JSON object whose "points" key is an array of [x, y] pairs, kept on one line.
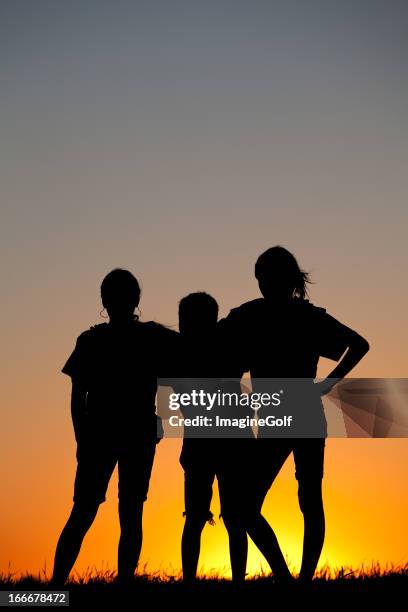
{"points": [[179, 140]]}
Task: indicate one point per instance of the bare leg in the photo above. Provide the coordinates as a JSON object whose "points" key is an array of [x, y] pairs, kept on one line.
{"points": [[263, 536], [190, 547], [69, 544], [131, 535], [238, 546], [311, 504]]}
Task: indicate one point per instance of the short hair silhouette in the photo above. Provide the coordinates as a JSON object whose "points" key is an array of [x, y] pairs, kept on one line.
{"points": [[120, 290], [197, 312], [278, 268]]}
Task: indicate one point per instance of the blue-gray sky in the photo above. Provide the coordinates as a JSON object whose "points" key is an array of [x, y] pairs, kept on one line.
{"points": [[181, 138]]}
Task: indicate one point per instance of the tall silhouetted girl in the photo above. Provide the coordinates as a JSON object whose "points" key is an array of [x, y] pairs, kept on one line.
{"points": [[282, 336], [114, 370]]}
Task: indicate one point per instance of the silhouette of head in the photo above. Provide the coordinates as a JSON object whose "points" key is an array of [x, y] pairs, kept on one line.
{"points": [[198, 314], [120, 294], [279, 275]]}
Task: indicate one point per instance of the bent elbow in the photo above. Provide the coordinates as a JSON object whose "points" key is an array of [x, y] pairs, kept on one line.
{"points": [[362, 345]]}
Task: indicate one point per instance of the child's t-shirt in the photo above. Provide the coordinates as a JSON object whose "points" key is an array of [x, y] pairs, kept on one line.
{"points": [[283, 342], [118, 367], [280, 346]]}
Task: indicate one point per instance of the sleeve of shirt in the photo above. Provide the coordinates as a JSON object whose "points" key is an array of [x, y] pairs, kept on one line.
{"points": [[75, 366], [233, 335], [168, 351], [333, 336]]}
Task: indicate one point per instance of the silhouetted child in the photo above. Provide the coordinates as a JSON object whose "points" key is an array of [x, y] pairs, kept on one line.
{"points": [[282, 336], [204, 459], [114, 370]]}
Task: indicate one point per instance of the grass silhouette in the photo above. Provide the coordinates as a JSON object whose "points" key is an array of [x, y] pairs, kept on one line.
{"points": [[100, 587]]}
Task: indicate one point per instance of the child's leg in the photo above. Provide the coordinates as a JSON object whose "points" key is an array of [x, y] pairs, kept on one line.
{"points": [[190, 546], [131, 535], [70, 540], [135, 466], [311, 504], [230, 485], [263, 536], [238, 547], [269, 457], [95, 467], [198, 483], [309, 458]]}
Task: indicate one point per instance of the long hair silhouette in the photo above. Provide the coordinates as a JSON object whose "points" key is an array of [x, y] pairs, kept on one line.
{"points": [[278, 272]]}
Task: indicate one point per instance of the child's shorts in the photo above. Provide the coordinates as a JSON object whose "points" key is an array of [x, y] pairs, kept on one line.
{"points": [[199, 474], [227, 460], [97, 461], [271, 454]]}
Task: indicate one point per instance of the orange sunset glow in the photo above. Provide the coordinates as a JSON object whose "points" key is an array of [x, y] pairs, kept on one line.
{"points": [[364, 486], [180, 144]]}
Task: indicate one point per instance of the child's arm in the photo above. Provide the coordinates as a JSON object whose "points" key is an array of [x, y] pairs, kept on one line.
{"points": [[78, 409], [357, 348], [232, 337]]}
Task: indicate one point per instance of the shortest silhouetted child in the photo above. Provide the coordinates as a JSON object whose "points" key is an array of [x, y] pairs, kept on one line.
{"points": [[203, 459], [114, 370]]}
